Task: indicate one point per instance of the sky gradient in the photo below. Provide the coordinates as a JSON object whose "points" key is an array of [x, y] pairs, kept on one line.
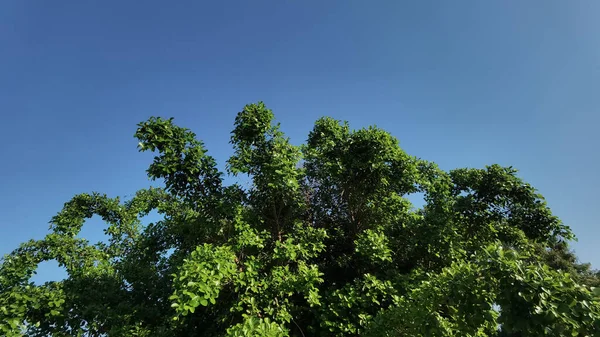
{"points": [[460, 83]]}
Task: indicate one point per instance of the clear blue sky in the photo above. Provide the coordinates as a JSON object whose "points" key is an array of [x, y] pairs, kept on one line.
{"points": [[462, 83]]}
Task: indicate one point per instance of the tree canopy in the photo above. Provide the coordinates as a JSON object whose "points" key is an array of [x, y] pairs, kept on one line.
{"points": [[323, 242]]}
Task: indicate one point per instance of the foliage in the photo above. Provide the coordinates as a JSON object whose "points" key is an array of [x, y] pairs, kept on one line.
{"points": [[323, 243], [534, 301]]}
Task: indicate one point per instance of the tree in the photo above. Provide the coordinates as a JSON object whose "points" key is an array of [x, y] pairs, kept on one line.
{"points": [[560, 257], [323, 243]]}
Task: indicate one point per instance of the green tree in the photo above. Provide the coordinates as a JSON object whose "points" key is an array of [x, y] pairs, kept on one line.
{"points": [[324, 242], [559, 257]]}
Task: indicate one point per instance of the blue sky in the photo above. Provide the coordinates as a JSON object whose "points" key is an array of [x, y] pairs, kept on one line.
{"points": [[461, 83]]}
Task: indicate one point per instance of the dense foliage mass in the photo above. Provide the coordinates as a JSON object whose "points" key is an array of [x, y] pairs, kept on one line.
{"points": [[323, 242]]}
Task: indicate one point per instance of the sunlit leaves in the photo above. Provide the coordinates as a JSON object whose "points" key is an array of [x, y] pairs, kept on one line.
{"points": [[257, 327], [202, 276], [373, 246]]}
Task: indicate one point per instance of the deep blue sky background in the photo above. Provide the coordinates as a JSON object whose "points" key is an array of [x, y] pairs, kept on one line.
{"points": [[462, 83]]}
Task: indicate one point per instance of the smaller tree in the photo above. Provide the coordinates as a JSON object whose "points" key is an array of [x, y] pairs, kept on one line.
{"points": [[559, 257]]}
